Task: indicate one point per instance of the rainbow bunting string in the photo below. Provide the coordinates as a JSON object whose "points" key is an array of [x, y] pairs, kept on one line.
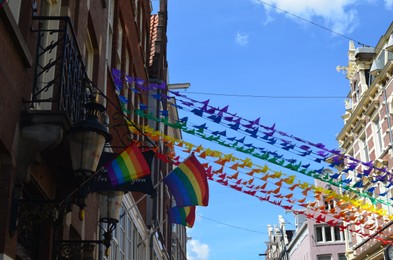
{"points": [[127, 166], [188, 183]]}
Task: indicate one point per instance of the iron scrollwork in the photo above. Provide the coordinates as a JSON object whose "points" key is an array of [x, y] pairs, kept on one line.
{"points": [[60, 80]]}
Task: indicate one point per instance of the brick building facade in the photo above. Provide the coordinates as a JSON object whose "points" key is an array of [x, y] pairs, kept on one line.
{"points": [[56, 54]]}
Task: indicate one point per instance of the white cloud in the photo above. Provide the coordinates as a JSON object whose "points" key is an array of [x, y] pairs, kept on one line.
{"points": [[338, 15], [241, 38], [389, 4], [197, 251]]}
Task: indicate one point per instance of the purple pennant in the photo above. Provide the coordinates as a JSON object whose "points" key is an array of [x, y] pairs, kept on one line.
{"points": [[351, 166], [201, 128], [162, 86], [129, 80], [235, 126], [206, 102], [265, 137], [223, 133], [237, 120], [320, 146], [116, 73], [224, 109], [371, 190], [197, 111], [248, 125], [269, 133], [306, 166], [367, 171], [323, 154], [176, 105], [152, 85], [164, 113], [176, 93], [231, 138], [282, 133], [284, 141], [368, 164], [157, 96], [165, 96], [117, 81], [253, 133], [304, 147], [320, 171], [241, 140], [216, 119], [358, 184], [123, 99], [256, 121], [142, 106], [184, 119], [139, 81], [271, 127], [186, 103], [211, 111], [305, 153], [228, 118], [215, 132], [288, 147], [135, 90], [337, 152], [272, 141]]}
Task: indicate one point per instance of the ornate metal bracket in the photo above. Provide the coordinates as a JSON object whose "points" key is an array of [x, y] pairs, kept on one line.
{"points": [[69, 248]]}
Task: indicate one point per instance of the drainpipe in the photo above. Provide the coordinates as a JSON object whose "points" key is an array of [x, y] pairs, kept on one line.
{"points": [[389, 124]]}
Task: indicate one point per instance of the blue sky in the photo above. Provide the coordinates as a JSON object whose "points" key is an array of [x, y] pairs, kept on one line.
{"points": [[265, 63]]}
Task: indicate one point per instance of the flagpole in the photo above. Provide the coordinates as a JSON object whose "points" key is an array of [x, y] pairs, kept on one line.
{"points": [[140, 199], [81, 185], [152, 233]]}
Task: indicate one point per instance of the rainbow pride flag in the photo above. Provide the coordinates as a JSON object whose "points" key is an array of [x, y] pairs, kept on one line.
{"points": [[127, 166], [188, 183], [182, 215]]}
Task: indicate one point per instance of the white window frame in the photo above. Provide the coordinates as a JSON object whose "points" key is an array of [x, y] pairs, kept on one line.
{"points": [[323, 229], [378, 138]]}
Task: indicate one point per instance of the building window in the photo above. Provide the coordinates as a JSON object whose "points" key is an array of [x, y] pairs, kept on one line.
{"points": [[365, 153], [324, 257], [355, 92], [328, 234], [329, 203], [377, 136], [342, 257]]}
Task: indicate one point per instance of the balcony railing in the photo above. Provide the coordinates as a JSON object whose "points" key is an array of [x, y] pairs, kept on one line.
{"points": [[60, 81]]}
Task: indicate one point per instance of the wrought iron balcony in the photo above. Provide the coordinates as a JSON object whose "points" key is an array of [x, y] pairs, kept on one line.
{"points": [[60, 81]]}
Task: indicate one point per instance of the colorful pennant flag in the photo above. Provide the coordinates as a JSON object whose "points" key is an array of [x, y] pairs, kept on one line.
{"points": [[182, 215], [129, 165], [188, 183]]}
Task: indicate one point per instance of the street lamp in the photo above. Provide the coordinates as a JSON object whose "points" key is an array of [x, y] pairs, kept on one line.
{"points": [[86, 141]]}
